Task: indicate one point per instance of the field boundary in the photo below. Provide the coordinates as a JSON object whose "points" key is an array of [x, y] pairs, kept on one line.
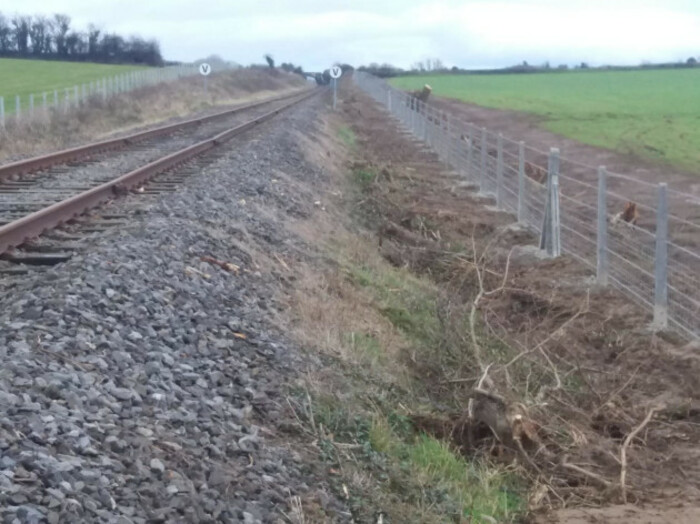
{"points": [[655, 261], [37, 107]]}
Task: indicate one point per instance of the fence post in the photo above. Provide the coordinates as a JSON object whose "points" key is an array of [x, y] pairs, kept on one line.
{"points": [[448, 139], [551, 227], [470, 151], [2, 112], [17, 108], [521, 182], [44, 104], [499, 171], [482, 174], [31, 105], [76, 94], [602, 238], [661, 262], [55, 99]]}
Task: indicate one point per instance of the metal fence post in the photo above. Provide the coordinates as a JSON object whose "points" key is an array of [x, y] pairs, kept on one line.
{"points": [[661, 262], [602, 237], [521, 182], [448, 139], [499, 171], [482, 174], [470, 151], [550, 240]]}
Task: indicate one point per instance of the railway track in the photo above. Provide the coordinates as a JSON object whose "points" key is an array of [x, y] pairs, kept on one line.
{"points": [[40, 194]]}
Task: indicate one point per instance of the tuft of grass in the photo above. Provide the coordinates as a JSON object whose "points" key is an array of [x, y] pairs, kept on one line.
{"points": [[348, 136], [480, 491], [409, 303], [364, 177], [366, 345]]}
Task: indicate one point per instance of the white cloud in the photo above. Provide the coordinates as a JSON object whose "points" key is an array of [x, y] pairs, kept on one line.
{"points": [[316, 33]]}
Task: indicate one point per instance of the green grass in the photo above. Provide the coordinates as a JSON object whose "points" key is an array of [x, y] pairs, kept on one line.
{"points": [[653, 114], [25, 77], [347, 135], [408, 302]]}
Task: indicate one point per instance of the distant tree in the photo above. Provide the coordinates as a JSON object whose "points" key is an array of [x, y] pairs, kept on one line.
{"points": [[563, 66], [6, 40], [270, 61], [691, 61], [93, 38], [42, 37], [20, 30], [583, 65], [61, 26]]}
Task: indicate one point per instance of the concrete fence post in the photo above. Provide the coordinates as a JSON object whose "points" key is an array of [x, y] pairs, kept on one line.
{"points": [[55, 99], [31, 106], [76, 96], [2, 112], [44, 103], [521, 182], [499, 172], [18, 106], [661, 262], [550, 240], [66, 100], [602, 236], [482, 171]]}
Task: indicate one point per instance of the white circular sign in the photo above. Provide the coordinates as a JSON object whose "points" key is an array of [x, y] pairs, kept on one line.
{"points": [[336, 71], [204, 69]]}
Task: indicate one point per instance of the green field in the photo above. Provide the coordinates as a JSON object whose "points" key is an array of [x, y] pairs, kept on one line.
{"points": [[22, 77], [653, 114]]}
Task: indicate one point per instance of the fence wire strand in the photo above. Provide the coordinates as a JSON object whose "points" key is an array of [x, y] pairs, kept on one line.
{"points": [[494, 164]]}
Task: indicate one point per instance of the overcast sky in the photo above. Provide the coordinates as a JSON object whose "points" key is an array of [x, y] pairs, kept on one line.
{"points": [[316, 33]]}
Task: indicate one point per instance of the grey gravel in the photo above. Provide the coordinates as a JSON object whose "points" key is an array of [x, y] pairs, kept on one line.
{"points": [[126, 394]]}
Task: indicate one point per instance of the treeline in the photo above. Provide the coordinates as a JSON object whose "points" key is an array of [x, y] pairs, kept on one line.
{"points": [[53, 38], [433, 66]]}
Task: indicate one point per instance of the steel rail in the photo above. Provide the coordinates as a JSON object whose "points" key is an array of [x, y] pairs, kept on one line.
{"points": [[34, 224], [29, 165]]}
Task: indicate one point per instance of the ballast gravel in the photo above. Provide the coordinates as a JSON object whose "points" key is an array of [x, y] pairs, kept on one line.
{"points": [[141, 384]]}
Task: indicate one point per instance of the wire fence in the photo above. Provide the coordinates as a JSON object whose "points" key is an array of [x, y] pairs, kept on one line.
{"points": [[651, 254], [35, 107]]}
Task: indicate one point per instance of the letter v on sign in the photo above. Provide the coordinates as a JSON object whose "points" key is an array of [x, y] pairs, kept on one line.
{"points": [[204, 69]]}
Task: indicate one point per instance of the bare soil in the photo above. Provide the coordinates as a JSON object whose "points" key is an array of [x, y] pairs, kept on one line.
{"points": [[595, 370]]}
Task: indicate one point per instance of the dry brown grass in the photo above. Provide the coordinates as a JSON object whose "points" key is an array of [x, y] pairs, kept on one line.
{"points": [[148, 106]]}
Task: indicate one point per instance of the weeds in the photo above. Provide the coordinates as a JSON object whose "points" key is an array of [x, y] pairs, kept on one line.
{"points": [[347, 135]]}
